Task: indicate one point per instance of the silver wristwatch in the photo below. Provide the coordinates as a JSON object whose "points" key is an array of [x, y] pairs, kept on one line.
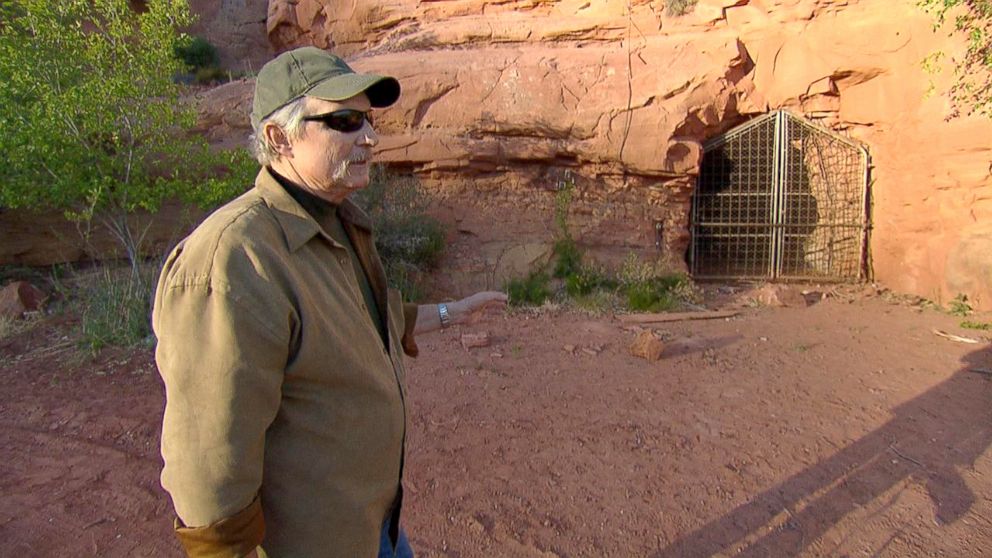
{"points": [[442, 312]]}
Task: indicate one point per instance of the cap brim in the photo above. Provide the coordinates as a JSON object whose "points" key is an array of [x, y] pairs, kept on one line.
{"points": [[382, 91]]}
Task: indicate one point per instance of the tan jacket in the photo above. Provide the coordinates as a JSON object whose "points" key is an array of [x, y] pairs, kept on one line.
{"points": [[285, 419]]}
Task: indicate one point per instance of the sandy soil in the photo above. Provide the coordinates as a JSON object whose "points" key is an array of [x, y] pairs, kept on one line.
{"points": [[844, 429]]}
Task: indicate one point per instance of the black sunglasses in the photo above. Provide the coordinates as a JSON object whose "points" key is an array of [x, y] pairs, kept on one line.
{"points": [[344, 120]]}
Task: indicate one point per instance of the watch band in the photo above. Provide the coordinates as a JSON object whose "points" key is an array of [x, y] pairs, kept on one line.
{"points": [[442, 312]]}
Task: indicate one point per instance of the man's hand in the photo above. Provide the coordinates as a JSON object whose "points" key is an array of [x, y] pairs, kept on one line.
{"points": [[471, 308], [468, 309]]}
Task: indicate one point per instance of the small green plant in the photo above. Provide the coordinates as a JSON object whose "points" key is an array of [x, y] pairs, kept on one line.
{"points": [[211, 75], [588, 279], [680, 7], [196, 52], [532, 290], [655, 295], [409, 240], [568, 258], [563, 205], [10, 327], [633, 270], [599, 302], [983, 326], [201, 61], [115, 307], [959, 306], [648, 288], [408, 279]]}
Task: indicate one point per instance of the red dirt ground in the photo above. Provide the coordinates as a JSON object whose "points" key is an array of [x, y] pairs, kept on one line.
{"points": [[844, 429]]}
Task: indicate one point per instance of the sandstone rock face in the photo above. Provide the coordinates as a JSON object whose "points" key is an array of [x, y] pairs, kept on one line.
{"points": [[223, 113], [237, 29], [46, 238], [969, 267], [500, 98], [501, 101]]}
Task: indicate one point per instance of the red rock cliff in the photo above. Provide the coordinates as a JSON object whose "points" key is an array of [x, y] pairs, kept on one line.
{"points": [[500, 97]]}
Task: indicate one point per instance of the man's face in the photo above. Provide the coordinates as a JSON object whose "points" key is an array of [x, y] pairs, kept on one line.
{"points": [[329, 162]]}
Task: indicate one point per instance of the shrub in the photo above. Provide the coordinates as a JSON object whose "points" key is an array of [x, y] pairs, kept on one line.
{"points": [[196, 52], [408, 278], [409, 241], [414, 239], [532, 290], [588, 279], [599, 302], [10, 327], [633, 270], [648, 288], [680, 7], [563, 205], [959, 306], [658, 294], [568, 258], [211, 75], [201, 61], [115, 308]]}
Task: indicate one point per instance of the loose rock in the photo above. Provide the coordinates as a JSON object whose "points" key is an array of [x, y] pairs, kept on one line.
{"points": [[19, 297], [647, 346], [780, 295], [475, 340]]}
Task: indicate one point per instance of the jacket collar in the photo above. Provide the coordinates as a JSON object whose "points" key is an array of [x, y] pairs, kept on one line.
{"points": [[297, 225], [351, 213]]}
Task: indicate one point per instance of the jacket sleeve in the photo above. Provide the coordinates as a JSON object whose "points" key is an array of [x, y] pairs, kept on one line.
{"points": [[222, 355], [409, 324]]}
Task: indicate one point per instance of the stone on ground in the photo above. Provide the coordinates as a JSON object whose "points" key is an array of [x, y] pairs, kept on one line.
{"points": [[647, 346]]}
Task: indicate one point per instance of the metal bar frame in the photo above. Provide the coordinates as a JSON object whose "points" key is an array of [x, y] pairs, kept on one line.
{"points": [[783, 217]]}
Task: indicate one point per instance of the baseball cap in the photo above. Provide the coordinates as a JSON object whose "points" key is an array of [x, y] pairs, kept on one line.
{"points": [[317, 73]]}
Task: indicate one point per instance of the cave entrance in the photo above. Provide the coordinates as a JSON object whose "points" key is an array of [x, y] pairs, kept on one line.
{"points": [[780, 198]]}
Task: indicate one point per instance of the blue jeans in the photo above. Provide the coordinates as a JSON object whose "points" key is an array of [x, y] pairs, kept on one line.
{"points": [[386, 550]]}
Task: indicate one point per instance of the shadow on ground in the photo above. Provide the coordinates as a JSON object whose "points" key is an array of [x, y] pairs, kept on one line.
{"points": [[929, 437]]}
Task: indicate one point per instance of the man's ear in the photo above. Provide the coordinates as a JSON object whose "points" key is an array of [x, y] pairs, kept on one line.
{"points": [[278, 140]]}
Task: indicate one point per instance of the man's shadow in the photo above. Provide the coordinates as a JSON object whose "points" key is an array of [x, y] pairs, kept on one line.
{"points": [[928, 438]]}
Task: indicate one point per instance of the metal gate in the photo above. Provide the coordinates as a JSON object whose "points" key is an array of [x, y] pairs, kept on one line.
{"points": [[780, 198]]}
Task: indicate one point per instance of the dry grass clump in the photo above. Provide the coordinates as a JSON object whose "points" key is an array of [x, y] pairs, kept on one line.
{"points": [[680, 7]]}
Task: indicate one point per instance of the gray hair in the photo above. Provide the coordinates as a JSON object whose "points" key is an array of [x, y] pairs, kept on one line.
{"points": [[288, 117]]}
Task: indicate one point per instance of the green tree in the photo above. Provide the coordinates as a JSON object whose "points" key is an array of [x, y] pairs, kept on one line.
{"points": [[91, 119], [972, 18]]}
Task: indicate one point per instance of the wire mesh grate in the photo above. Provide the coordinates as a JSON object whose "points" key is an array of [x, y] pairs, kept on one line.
{"points": [[780, 198]]}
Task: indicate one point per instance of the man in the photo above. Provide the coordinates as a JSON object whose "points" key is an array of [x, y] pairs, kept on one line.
{"points": [[280, 345]]}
